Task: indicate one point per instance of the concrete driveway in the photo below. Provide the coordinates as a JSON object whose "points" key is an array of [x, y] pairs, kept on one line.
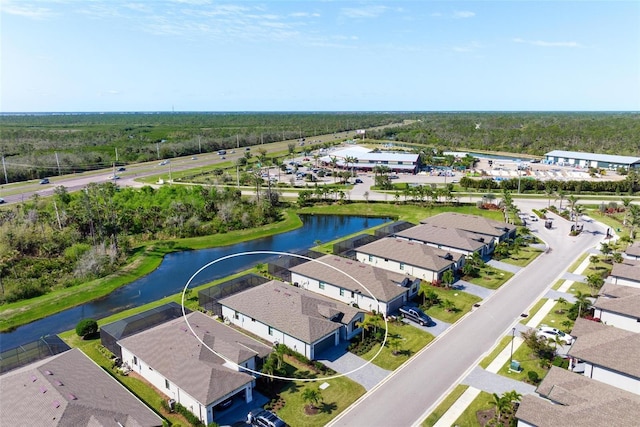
{"points": [[356, 368]]}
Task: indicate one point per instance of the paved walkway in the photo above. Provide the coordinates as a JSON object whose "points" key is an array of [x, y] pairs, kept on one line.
{"points": [[574, 277], [504, 266], [554, 295], [340, 360], [472, 289], [488, 380]]}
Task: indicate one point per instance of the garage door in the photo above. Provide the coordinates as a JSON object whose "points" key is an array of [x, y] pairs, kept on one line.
{"points": [[394, 305], [324, 344]]}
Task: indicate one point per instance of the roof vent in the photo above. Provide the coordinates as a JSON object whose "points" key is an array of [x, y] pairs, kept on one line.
{"points": [[33, 378], [448, 256], [72, 396], [48, 372], [43, 389], [55, 404], [58, 382]]}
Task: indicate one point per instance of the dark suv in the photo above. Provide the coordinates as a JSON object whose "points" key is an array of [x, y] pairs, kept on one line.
{"points": [[264, 418]]}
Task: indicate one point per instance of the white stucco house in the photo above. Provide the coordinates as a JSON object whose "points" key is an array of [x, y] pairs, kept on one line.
{"points": [[610, 354], [498, 230], [304, 321], [333, 276], [449, 239], [177, 364], [626, 273], [404, 257], [619, 306]]}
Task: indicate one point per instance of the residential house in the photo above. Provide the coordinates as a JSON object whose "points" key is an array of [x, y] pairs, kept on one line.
{"points": [[633, 251], [300, 319], [567, 399], [405, 257], [610, 354], [69, 389], [498, 230], [367, 287], [626, 273], [449, 239], [197, 364], [619, 306]]}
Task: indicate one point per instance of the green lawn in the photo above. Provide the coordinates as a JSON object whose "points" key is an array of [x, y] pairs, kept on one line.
{"points": [[557, 285], [463, 302], [524, 257], [444, 406], [528, 362], [469, 417], [576, 264], [536, 307], [412, 340], [490, 277], [484, 363], [557, 316]]}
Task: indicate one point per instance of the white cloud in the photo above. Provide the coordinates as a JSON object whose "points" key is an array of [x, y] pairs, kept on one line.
{"points": [[25, 10], [461, 14], [363, 12], [543, 43]]}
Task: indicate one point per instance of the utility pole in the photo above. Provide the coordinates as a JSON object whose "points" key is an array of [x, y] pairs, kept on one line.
{"points": [[58, 163], [199, 144], [237, 141], [116, 154], [4, 166], [158, 149]]}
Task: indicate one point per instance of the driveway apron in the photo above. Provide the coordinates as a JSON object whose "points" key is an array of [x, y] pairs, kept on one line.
{"points": [[504, 266], [342, 361], [494, 383]]}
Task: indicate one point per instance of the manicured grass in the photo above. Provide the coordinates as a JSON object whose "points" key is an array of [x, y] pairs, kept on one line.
{"points": [[484, 363], [145, 259], [555, 319], [528, 362], [579, 286], [576, 264], [462, 300], [491, 277], [405, 212], [412, 340], [557, 285], [340, 394], [537, 306], [524, 257], [444, 406], [468, 417]]}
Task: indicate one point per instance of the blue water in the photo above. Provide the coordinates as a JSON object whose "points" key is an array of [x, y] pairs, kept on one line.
{"points": [[176, 269]]}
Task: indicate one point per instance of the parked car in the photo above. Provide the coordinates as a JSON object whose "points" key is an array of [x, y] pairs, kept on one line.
{"points": [[225, 404], [417, 315], [533, 217], [44, 181], [358, 181], [264, 418], [551, 333]]}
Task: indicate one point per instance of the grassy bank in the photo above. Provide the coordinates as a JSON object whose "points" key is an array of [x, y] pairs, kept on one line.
{"points": [[144, 260]]}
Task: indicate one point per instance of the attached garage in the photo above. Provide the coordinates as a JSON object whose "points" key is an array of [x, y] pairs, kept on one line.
{"points": [[324, 344]]}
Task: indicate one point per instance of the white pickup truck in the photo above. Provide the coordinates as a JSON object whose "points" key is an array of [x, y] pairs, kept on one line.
{"points": [[417, 315]]}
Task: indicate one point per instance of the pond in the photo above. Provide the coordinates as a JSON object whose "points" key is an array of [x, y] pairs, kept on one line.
{"points": [[176, 269]]}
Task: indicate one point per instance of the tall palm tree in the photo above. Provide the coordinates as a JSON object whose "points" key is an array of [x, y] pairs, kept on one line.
{"points": [[312, 396]]}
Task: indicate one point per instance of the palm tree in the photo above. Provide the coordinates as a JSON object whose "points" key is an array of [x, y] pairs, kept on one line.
{"points": [[626, 201], [334, 165], [312, 396], [502, 405], [560, 194], [448, 278]]}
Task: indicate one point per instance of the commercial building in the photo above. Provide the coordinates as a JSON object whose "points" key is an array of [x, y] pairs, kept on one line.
{"points": [[591, 160]]}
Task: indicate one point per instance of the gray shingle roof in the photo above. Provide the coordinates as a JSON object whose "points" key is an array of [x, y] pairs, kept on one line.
{"points": [[443, 236], [606, 346], [415, 254], [628, 305], [579, 401], [472, 223], [384, 285], [173, 351], [69, 389], [633, 250], [627, 270], [297, 312], [618, 291]]}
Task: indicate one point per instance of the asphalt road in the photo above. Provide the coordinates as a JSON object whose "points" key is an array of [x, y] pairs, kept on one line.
{"points": [[411, 392]]}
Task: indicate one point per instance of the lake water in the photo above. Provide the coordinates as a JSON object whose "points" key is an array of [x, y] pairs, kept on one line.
{"points": [[176, 269]]}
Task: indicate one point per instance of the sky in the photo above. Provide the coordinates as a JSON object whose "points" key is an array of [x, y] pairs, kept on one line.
{"points": [[319, 55]]}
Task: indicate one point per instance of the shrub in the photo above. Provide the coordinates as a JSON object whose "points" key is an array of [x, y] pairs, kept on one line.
{"points": [[86, 327], [533, 377]]}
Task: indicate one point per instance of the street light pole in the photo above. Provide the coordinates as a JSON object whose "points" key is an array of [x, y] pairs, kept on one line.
{"points": [[513, 336]]}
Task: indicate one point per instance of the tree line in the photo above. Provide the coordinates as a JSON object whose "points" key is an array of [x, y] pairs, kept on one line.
{"points": [[72, 238]]}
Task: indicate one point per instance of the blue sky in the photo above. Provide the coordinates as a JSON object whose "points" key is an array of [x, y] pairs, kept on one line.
{"points": [[319, 55]]}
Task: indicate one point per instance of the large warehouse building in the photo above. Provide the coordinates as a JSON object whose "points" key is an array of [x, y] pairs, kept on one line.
{"points": [[591, 160], [366, 159]]}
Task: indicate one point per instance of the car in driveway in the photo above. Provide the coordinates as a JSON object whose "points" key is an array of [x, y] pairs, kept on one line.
{"points": [[264, 418], [552, 333], [416, 315]]}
